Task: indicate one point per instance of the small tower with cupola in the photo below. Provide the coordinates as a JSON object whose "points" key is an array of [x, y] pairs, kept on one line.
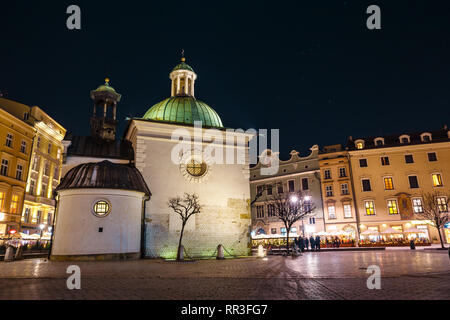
{"points": [[104, 119], [183, 79]]}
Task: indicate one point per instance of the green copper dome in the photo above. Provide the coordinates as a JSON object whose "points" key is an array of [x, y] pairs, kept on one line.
{"points": [[184, 110], [105, 87], [183, 66]]}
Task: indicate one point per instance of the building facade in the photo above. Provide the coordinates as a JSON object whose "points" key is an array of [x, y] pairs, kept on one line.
{"points": [[222, 187], [44, 174], [16, 139], [298, 174], [390, 173], [340, 211]]}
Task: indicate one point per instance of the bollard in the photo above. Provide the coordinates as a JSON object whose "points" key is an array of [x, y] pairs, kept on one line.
{"points": [[19, 253], [261, 251], [9, 255], [220, 254]]}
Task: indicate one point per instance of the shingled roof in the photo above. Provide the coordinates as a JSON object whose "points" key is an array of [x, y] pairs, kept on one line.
{"points": [[87, 146], [104, 175]]}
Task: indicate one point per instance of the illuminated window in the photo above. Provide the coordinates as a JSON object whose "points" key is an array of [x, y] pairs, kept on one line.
{"points": [[359, 144], [442, 204], [417, 205], [196, 168], [14, 203], [329, 191], [102, 208], [332, 211], [437, 179], [327, 174], [2, 200], [347, 210], [392, 206], [384, 161], [9, 140], [370, 207], [388, 183], [283, 231]]}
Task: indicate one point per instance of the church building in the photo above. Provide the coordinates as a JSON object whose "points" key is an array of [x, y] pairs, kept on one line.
{"points": [[148, 168]]}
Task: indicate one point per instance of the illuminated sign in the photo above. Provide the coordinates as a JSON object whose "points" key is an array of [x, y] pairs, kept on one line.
{"points": [[12, 231]]}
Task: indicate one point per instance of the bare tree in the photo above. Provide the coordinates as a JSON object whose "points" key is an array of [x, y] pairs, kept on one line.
{"points": [[291, 207], [435, 209], [186, 207]]}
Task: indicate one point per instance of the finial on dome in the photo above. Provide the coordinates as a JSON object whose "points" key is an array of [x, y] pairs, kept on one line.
{"points": [[183, 59], [107, 81]]}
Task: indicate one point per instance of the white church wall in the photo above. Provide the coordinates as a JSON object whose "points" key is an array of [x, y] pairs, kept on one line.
{"points": [[77, 228], [224, 194]]}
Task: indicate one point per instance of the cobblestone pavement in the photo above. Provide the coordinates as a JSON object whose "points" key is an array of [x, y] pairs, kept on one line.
{"points": [[325, 275]]}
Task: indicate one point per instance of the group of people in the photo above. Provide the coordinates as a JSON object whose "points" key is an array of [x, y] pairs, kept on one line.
{"points": [[303, 244]]}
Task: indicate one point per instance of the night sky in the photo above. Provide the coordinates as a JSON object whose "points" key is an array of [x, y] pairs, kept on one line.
{"points": [[310, 68]]}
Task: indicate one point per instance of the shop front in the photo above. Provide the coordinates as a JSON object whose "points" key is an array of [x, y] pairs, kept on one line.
{"points": [[447, 232], [397, 235]]}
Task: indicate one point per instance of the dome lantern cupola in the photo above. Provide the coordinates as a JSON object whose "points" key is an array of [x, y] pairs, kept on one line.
{"points": [[182, 107], [183, 79]]}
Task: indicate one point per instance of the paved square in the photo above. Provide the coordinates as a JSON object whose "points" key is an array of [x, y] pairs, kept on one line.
{"points": [[325, 275]]}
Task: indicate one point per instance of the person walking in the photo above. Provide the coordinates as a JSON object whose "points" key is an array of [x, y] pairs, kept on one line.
{"points": [[301, 243], [306, 243], [317, 243], [313, 245]]}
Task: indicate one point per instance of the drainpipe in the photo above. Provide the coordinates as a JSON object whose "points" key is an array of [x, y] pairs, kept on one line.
{"points": [[143, 228], [354, 200], [55, 215]]}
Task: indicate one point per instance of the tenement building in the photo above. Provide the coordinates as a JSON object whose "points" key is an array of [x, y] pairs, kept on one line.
{"points": [[340, 212], [16, 139], [296, 175], [391, 173]]}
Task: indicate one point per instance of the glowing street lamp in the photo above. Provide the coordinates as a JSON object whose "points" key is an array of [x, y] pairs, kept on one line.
{"points": [[307, 198], [294, 199]]}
